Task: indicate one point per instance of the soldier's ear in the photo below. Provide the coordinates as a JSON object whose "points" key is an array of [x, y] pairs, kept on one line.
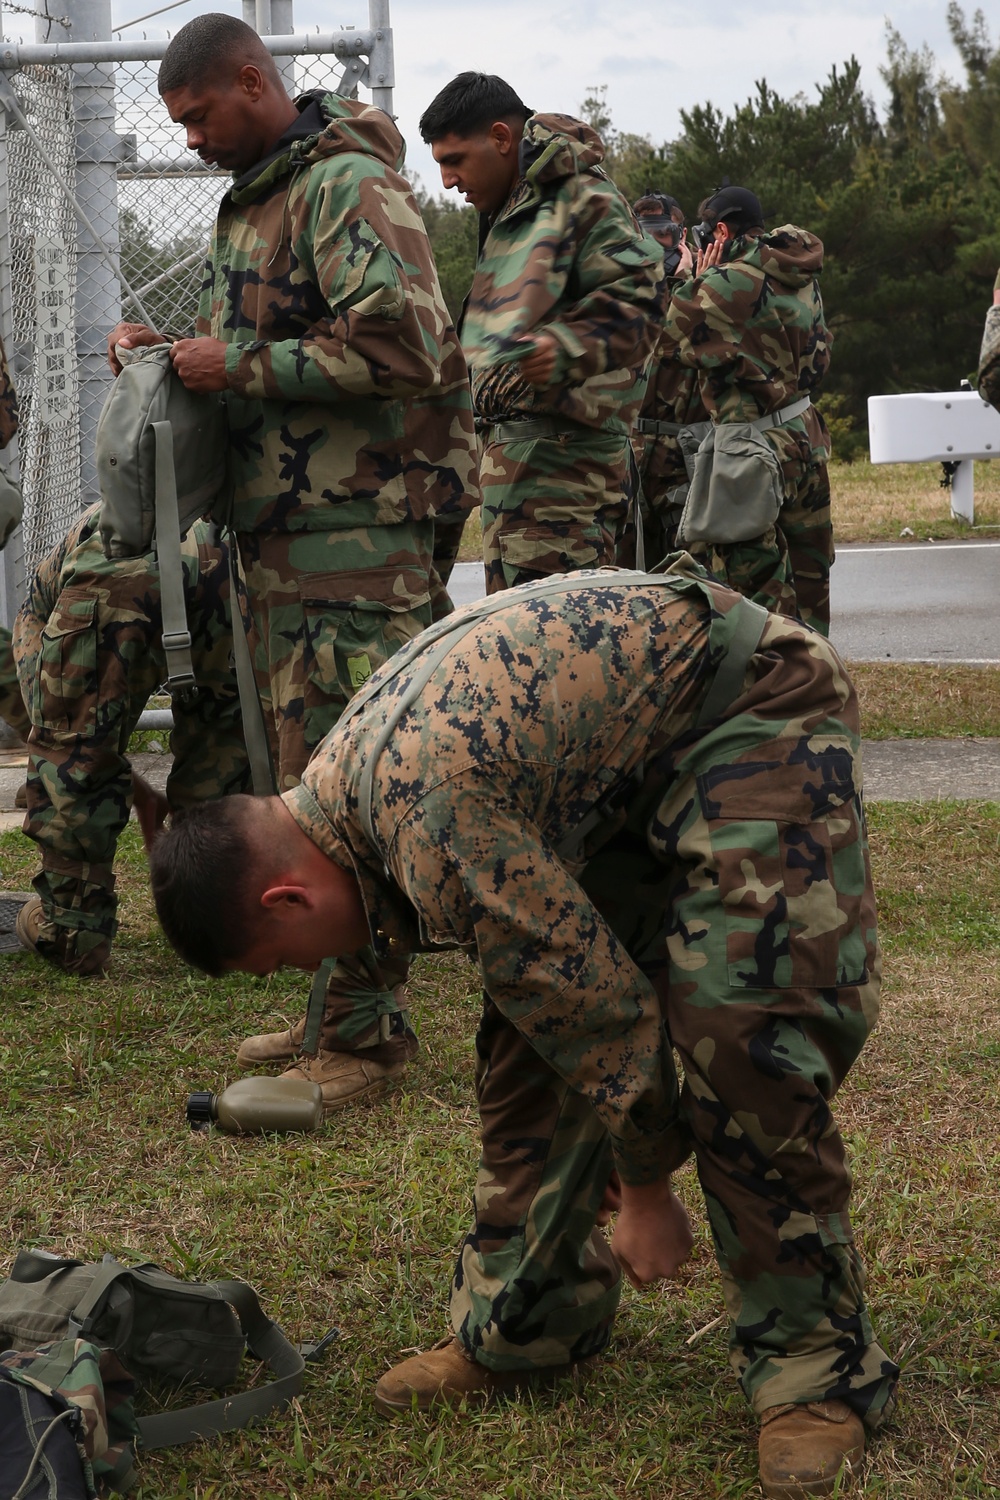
{"points": [[502, 137]]}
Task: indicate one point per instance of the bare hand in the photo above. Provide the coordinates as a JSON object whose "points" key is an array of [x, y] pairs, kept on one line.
{"points": [[132, 336], [538, 367], [652, 1238], [685, 266], [151, 808], [200, 363], [711, 257]]}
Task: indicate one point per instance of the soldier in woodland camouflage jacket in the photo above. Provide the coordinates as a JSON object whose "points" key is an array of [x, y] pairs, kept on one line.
{"points": [[350, 414], [558, 328], [88, 649], [989, 354], [673, 400], [635, 802], [752, 325]]}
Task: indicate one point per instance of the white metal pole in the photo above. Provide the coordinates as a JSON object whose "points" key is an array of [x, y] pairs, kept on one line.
{"points": [[381, 64], [963, 499]]}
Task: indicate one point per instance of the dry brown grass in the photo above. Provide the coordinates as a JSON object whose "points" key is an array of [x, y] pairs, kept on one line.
{"points": [[914, 701]]}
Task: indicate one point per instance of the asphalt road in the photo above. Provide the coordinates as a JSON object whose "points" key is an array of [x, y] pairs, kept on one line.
{"points": [[919, 601]]}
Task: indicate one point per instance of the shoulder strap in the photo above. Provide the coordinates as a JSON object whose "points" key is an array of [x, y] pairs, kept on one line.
{"points": [[265, 783], [176, 635]]}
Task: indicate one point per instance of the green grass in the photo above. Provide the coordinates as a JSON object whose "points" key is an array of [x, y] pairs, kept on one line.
{"points": [[356, 1227], [908, 700]]}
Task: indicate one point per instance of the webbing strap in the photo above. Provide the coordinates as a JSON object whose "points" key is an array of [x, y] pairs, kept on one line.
{"points": [[265, 783], [176, 635], [264, 1339], [437, 642], [268, 1344], [317, 1006]]}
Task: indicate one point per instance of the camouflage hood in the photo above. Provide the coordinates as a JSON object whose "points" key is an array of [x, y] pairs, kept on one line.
{"points": [[555, 147], [350, 126], [790, 255], [348, 397]]}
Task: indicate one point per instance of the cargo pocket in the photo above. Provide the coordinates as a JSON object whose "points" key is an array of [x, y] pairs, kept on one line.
{"points": [[353, 622], [538, 551], [64, 689], [789, 851]]}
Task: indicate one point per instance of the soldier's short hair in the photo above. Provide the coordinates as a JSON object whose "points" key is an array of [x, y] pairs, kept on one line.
{"points": [[202, 873], [659, 203], [470, 104], [209, 43]]}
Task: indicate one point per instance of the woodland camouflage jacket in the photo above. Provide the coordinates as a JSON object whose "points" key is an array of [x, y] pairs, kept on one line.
{"points": [[754, 327], [348, 392], [566, 256]]}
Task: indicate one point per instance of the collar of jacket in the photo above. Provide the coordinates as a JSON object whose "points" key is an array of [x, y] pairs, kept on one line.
{"points": [[348, 126], [552, 149]]}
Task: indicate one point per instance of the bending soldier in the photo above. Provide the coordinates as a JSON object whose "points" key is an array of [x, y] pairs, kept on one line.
{"points": [[88, 648], [636, 801], [751, 323], [558, 329], [350, 415]]}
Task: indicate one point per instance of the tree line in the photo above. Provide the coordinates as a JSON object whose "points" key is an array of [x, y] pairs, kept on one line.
{"points": [[906, 202]]}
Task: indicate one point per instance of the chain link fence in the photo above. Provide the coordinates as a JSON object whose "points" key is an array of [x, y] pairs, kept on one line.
{"points": [[142, 218]]}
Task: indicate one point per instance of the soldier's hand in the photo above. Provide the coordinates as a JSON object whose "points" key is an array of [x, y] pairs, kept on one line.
{"points": [[652, 1237], [712, 256], [538, 367], [200, 363], [131, 336], [685, 266]]}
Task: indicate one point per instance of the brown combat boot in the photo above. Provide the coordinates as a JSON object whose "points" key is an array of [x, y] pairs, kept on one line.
{"points": [[272, 1046], [804, 1449], [27, 922], [346, 1076], [446, 1376]]}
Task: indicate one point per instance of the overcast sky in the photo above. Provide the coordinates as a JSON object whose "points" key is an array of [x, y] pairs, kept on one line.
{"points": [[655, 56]]}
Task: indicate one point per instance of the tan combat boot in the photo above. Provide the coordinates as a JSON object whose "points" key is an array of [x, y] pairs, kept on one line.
{"points": [[27, 922], [804, 1449], [446, 1376], [272, 1046], [344, 1077]]}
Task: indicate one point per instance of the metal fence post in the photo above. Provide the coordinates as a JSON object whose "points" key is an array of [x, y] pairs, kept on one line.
{"points": [[380, 64], [98, 296]]}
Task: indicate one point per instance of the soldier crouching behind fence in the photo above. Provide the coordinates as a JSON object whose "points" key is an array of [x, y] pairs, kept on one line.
{"points": [[635, 801], [88, 650]]}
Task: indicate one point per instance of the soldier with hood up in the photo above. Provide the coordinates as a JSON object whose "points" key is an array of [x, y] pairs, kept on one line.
{"points": [[751, 322], [323, 324], [559, 326]]}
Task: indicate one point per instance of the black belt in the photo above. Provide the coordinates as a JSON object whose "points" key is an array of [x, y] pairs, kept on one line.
{"points": [[523, 430]]}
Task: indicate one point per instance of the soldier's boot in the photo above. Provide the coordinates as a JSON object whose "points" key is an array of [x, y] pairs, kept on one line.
{"points": [[272, 1046], [447, 1376], [27, 923], [810, 1449], [91, 963], [344, 1077]]}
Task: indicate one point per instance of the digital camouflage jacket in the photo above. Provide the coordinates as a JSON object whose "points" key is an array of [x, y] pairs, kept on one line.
{"points": [[565, 256], [348, 392], [753, 327], [544, 710], [989, 357]]}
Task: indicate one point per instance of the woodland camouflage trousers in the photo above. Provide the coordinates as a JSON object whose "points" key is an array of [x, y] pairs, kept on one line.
{"points": [[743, 890]]}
